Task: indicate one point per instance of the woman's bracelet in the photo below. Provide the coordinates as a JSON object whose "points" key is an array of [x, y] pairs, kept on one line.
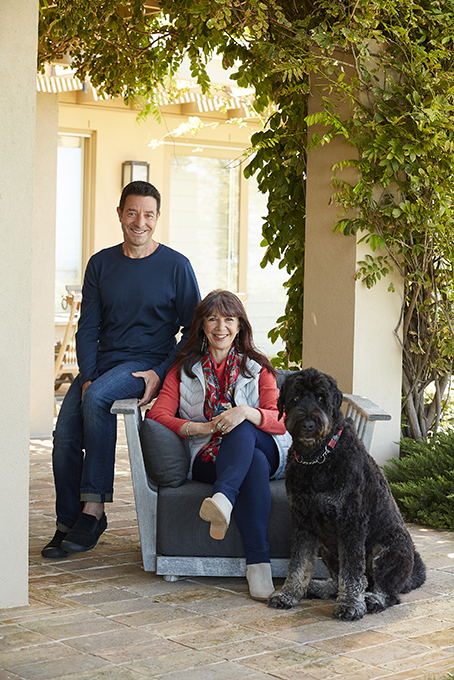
{"points": [[187, 428]]}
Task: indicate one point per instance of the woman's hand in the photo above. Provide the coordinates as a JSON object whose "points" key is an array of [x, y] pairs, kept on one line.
{"points": [[226, 421]]}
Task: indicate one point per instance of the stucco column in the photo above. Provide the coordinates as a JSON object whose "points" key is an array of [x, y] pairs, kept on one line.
{"points": [[18, 47], [43, 267], [348, 330]]}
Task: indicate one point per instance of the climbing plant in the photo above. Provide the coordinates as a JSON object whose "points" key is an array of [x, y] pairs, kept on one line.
{"points": [[391, 61], [401, 127]]}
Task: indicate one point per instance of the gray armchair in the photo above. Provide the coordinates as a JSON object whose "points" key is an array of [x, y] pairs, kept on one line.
{"points": [[175, 541]]}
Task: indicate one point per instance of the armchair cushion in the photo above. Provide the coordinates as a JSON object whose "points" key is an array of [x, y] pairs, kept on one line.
{"points": [[165, 454], [192, 537]]}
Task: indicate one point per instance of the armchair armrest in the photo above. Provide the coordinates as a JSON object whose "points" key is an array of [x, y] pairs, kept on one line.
{"points": [[145, 494], [364, 413], [366, 407], [125, 406]]}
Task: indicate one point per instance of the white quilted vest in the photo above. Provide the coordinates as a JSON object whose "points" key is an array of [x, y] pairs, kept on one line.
{"points": [[246, 391]]}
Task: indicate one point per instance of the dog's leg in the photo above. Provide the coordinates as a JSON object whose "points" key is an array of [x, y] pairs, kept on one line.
{"points": [[387, 574], [303, 556], [322, 589], [418, 575], [325, 589], [391, 570], [351, 604]]}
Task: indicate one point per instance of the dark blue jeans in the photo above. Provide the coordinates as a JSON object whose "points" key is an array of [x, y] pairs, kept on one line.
{"points": [[245, 462], [83, 455]]}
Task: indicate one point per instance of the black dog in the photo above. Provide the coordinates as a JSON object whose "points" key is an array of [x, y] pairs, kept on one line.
{"points": [[341, 508]]}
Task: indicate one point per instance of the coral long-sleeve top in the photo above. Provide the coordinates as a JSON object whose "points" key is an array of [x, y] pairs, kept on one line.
{"points": [[166, 405]]}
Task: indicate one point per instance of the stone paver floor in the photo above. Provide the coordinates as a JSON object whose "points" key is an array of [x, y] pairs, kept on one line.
{"points": [[99, 615]]}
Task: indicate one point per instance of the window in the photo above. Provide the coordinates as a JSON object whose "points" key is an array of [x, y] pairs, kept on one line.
{"points": [[204, 218], [70, 214]]}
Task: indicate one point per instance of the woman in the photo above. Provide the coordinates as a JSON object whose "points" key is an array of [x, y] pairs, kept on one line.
{"points": [[226, 394]]}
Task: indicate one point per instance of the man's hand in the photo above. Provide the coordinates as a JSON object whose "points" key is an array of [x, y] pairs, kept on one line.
{"points": [[84, 387], [152, 385]]}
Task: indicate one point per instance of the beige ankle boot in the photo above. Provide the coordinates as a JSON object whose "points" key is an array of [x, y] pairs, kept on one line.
{"points": [[217, 510], [259, 580]]}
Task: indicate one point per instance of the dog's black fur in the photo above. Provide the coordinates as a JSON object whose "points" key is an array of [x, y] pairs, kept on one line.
{"points": [[341, 508]]}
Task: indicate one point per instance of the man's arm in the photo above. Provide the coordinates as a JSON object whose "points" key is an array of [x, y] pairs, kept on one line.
{"points": [[187, 298]]}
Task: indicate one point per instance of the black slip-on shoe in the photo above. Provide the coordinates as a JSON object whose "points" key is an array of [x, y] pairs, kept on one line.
{"points": [[53, 549], [85, 533]]}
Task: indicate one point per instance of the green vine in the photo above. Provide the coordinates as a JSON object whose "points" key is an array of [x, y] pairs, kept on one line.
{"points": [[279, 162]]}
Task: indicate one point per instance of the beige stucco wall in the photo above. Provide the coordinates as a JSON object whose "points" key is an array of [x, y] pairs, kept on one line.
{"points": [[377, 367], [43, 267], [348, 330], [18, 45], [329, 286]]}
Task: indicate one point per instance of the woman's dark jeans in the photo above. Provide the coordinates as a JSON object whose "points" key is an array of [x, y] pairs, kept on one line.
{"points": [[245, 462]]}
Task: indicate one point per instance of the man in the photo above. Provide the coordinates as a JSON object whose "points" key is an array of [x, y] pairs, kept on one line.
{"points": [[136, 296]]}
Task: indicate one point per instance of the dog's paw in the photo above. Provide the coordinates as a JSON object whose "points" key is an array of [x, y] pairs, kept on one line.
{"points": [[280, 600], [350, 611], [377, 602]]}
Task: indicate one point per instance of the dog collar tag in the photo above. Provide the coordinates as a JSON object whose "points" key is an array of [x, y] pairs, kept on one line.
{"points": [[332, 443]]}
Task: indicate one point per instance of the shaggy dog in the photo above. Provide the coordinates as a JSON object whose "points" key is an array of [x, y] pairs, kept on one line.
{"points": [[341, 508]]}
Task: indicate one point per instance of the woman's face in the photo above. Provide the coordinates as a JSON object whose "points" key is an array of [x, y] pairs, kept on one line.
{"points": [[221, 331]]}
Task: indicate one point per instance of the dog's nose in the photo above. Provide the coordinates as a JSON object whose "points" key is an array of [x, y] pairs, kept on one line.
{"points": [[308, 427]]}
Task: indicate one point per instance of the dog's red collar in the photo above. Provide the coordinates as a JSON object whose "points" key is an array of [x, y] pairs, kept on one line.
{"points": [[322, 457]]}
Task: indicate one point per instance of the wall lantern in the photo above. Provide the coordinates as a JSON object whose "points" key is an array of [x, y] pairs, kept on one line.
{"points": [[131, 171]]}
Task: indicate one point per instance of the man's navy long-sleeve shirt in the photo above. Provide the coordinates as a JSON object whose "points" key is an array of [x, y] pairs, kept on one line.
{"points": [[133, 308]]}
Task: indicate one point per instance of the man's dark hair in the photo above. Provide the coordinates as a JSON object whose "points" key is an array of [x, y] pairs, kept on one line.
{"points": [[139, 188]]}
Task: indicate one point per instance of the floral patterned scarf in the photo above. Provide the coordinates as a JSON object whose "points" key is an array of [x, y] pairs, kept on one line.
{"points": [[217, 400]]}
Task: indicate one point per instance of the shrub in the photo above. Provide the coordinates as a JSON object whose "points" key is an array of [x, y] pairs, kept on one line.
{"points": [[422, 481]]}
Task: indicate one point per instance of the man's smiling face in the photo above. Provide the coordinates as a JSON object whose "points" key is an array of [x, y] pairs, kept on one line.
{"points": [[138, 222]]}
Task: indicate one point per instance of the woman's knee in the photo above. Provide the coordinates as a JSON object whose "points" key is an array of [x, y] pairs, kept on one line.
{"points": [[237, 446], [245, 426], [245, 431]]}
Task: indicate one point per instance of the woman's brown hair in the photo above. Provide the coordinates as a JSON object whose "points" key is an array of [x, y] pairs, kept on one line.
{"points": [[225, 303]]}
